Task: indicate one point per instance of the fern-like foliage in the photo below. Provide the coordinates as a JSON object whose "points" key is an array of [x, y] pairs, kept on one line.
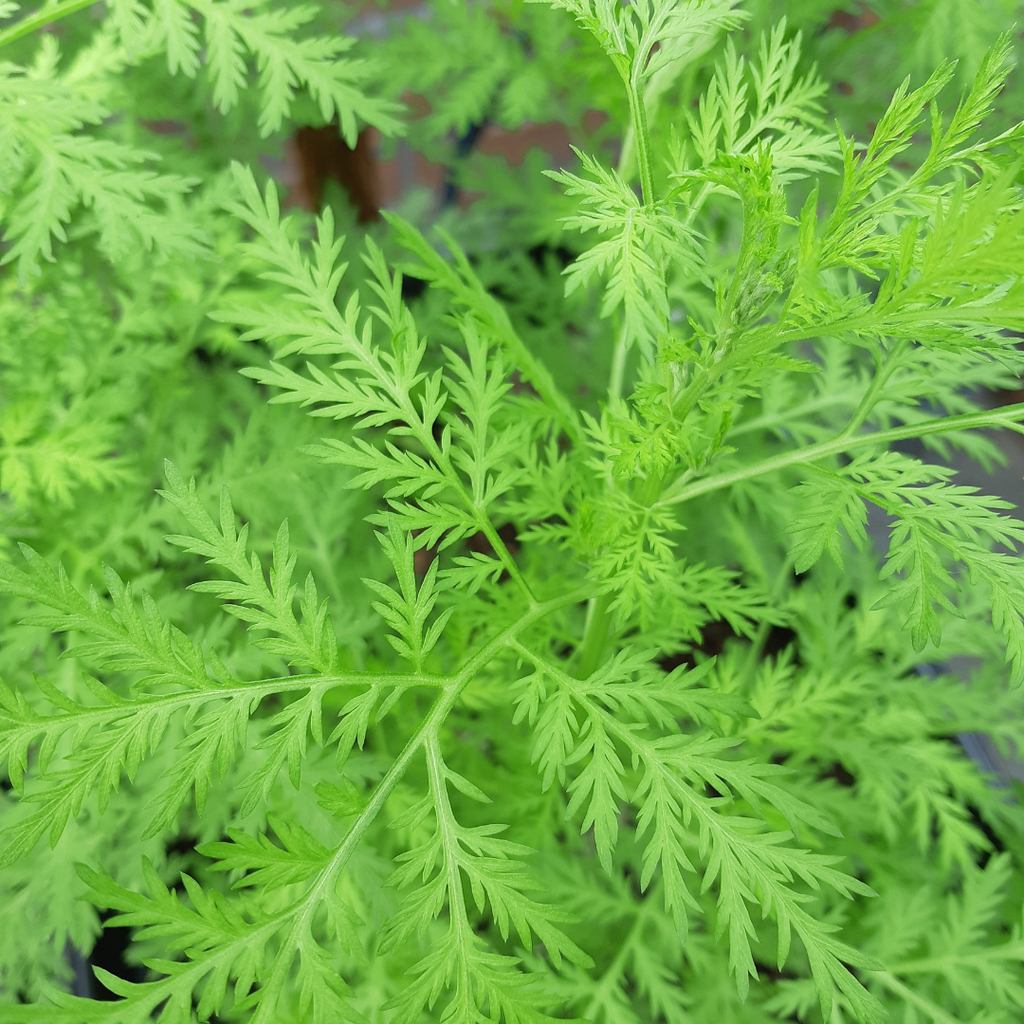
{"points": [[57, 158], [641, 244], [592, 728], [169, 674], [51, 167], [751, 102]]}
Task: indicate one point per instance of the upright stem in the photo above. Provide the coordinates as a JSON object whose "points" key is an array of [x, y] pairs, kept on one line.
{"points": [[595, 635], [637, 138], [598, 614], [638, 119], [618, 364], [642, 141]]}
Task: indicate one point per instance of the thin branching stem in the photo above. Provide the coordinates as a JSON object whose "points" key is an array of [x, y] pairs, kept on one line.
{"points": [[926, 1006], [45, 15], [878, 382], [1008, 417]]}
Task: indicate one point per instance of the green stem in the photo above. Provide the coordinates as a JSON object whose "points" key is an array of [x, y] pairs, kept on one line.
{"points": [[692, 394], [697, 203], [638, 120], [447, 828], [896, 986], [1008, 417], [769, 420], [504, 555], [46, 15], [614, 972], [642, 142], [764, 630], [427, 728], [618, 364], [870, 399], [595, 634]]}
